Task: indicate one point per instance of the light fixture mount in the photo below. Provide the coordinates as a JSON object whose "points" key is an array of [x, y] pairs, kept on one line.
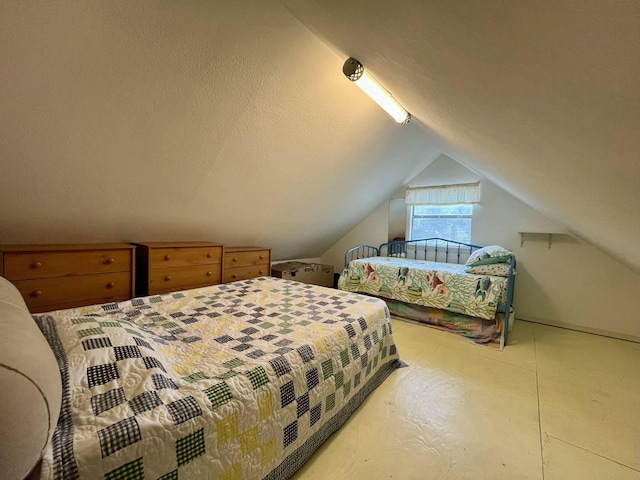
{"points": [[355, 72], [352, 69]]}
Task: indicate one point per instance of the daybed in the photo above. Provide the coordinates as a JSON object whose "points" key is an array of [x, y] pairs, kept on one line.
{"points": [[464, 287], [237, 381]]}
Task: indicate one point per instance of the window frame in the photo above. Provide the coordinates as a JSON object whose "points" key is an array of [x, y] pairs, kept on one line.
{"points": [[410, 218]]}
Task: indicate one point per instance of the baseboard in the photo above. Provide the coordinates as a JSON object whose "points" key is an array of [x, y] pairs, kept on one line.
{"points": [[579, 328]]}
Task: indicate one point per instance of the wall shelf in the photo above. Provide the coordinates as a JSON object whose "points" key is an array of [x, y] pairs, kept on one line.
{"points": [[549, 236]]}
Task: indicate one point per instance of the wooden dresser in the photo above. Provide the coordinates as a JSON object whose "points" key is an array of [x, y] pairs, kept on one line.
{"points": [[53, 277], [164, 267], [242, 263]]}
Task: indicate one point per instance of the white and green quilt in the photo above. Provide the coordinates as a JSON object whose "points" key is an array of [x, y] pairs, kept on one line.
{"points": [[431, 284], [233, 382]]}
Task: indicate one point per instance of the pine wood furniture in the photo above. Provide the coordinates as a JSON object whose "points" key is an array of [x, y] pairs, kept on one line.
{"points": [[171, 266], [53, 277], [243, 263]]}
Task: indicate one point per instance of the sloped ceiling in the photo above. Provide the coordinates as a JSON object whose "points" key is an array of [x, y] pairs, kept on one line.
{"points": [[224, 121], [542, 97], [232, 122]]}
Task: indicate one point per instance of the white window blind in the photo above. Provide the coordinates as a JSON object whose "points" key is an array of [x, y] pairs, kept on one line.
{"points": [[463, 193], [452, 222]]}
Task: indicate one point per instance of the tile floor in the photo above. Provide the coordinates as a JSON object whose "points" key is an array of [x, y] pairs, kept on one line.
{"points": [[554, 405]]}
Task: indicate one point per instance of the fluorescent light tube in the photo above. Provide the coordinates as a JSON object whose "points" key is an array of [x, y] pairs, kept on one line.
{"points": [[355, 72]]}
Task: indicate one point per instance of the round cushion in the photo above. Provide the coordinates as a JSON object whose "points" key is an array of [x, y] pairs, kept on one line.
{"points": [[31, 389]]}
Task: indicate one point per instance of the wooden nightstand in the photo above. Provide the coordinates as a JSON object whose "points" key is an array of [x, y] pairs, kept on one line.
{"points": [[243, 263], [171, 266], [53, 277]]}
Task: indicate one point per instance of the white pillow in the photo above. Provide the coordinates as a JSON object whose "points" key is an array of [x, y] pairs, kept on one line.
{"points": [[488, 255], [493, 269]]}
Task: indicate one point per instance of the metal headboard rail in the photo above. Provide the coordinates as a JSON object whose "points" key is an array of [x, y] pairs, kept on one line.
{"points": [[361, 251], [421, 248], [511, 286]]}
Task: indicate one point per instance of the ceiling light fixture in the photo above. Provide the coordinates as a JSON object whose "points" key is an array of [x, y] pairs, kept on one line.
{"points": [[355, 72]]}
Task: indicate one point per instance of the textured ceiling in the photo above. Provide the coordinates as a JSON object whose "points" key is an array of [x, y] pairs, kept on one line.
{"points": [[232, 121], [158, 121], [541, 97]]}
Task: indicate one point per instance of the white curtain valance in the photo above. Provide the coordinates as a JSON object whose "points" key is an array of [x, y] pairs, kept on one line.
{"points": [[444, 194]]}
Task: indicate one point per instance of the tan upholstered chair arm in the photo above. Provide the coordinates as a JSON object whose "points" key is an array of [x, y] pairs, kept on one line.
{"points": [[30, 387]]}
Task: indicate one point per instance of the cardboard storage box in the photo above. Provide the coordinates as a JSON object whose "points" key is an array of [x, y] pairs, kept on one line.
{"points": [[314, 273]]}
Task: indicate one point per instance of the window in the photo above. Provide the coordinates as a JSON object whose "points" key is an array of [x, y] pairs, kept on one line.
{"points": [[442, 211], [451, 222]]}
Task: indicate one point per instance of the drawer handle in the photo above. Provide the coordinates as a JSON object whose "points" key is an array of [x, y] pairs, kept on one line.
{"points": [[260, 272], [36, 293], [209, 274], [109, 261], [261, 257], [235, 259], [167, 278], [233, 276], [209, 255], [167, 257], [36, 265], [111, 285]]}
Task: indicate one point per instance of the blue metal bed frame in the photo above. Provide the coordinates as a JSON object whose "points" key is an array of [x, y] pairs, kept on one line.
{"points": [[435, 250]]}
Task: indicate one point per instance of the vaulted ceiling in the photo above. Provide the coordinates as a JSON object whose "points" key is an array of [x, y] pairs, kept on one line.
{"points": [[541, 97], [232, 121], [173, 121]]}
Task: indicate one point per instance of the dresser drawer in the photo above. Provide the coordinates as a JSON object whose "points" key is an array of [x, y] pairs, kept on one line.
{"points": [[242, 259], [42, 293], [243, 263], [181, 278], [47, 264], [245, 273], [163, 267], [183, 256]]}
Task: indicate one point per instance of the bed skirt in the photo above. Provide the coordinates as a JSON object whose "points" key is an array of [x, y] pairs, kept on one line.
{"points": [[489, 333]]}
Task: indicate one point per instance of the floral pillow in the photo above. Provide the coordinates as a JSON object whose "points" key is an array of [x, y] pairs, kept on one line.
{"points": [[489, 255], [493, 269]]}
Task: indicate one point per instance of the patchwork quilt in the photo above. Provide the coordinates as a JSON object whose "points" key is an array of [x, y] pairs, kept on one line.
{"points": [[477, 330], [432, 284], [232, 382]]}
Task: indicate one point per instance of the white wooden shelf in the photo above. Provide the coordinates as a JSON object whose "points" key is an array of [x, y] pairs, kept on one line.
{"points": [[549, 236]]}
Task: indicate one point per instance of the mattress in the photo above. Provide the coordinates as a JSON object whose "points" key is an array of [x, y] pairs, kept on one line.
{"points": [[431, 284], [236, 381]]}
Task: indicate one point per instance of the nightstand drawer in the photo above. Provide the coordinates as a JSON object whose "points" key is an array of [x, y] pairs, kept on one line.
{"points": [[43, 294], [30, 265], [242, 259], [183, 256], [181, 278], [244, 273]]}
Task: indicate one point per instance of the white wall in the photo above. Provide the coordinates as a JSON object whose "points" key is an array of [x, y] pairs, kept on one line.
{"points": [[372, 230], [397, 218], [571, 284]]}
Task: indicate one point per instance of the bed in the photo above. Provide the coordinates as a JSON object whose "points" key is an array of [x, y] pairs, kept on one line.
{"points": [[236, 381], [462, 287]]}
